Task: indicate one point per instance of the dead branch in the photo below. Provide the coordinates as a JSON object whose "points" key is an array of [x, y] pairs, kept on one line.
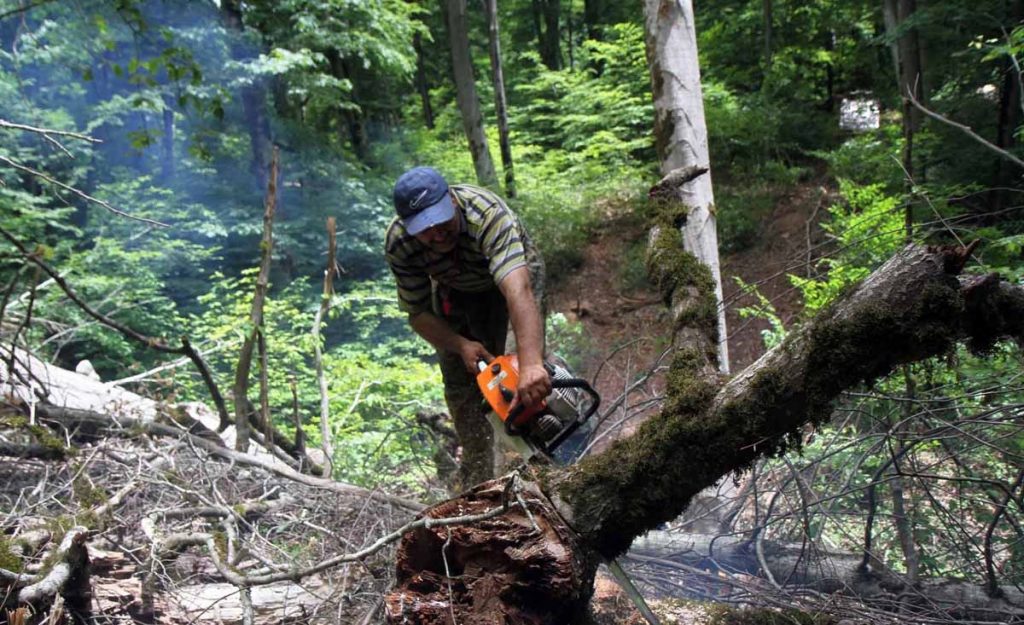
{"points": [[321, 313], [967, 130], [70, 559], [93, 422], [82, 194], [240, 390], [155, 343]]}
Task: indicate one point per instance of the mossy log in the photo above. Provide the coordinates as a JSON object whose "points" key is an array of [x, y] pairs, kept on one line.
{"points": [[911, 308]]}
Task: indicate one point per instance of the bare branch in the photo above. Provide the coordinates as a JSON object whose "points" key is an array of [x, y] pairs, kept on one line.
{"points": [[80, 193], [74, 541], [966, 130]]}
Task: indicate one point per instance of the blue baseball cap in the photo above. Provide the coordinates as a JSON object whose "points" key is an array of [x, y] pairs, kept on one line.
{"points": [[422, 199]]}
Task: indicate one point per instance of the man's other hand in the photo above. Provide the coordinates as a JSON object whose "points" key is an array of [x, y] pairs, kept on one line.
{"points": [[473, 352], [534, 386]]}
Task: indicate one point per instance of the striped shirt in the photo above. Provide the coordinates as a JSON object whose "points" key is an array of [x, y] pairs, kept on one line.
{"points": [[490, 247]]}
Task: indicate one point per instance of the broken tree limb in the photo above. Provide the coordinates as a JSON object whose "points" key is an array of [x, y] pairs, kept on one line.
{"points": [[240, 390], [909, 309], [70, 563]]}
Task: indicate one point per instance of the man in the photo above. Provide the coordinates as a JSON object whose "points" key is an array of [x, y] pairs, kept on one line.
{"points": [[462, 262]]}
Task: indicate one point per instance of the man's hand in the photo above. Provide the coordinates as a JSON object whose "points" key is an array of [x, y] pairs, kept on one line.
{"points": [[472, 353], [534, 386]]}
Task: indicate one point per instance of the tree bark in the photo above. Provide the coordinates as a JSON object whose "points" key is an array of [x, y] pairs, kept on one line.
{"points": [[500, 108], [911, 308], [253, 96], [680, 135], [466, 96], [421, 82]]}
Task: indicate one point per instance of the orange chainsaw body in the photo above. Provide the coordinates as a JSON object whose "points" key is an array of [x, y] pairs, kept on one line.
{"points": [[498, 381]]}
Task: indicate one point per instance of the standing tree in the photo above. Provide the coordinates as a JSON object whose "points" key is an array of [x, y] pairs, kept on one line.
{"points": [[681, 138], [500, 105], [465, 86]]}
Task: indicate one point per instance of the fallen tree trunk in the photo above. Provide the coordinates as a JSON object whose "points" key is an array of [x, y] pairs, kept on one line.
{"points": [[911, 308], [799, 567]]}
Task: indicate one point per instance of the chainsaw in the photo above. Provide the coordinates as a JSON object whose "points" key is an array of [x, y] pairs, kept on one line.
{"points": [[549, 427], [552, 428]]}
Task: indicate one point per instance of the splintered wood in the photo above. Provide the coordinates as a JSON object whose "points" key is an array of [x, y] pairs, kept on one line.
{"points": [[515, 568]]}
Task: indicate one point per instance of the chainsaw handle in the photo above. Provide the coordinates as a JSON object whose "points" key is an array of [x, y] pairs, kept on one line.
{"points": [[579, 383], [583, 385]]}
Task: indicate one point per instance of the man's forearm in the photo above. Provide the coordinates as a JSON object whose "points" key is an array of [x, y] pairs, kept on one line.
{"points": [[436, 332], [525, 317]]}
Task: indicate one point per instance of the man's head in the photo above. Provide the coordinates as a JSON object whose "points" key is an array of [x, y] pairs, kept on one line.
{"points": [[422, 200]]}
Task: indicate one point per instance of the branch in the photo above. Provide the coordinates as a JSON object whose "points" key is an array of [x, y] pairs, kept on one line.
{"points": [[71, 558], [82, 194], [966, 130], [321, 313], [47, 131], [297, 574], [240, 390], [186, 348], [24, 9], [86, 419]]}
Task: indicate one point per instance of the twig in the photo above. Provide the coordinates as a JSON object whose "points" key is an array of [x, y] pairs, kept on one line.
{"points": [[81, 194], [448, 575], [24, 9], [86, 417], [245, 594], [295, 575]]}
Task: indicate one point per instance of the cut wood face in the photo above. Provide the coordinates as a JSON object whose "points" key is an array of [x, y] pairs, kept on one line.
{"points": [[515, 568]]}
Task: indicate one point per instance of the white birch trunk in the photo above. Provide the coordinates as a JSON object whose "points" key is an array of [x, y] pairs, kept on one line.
{"points": [[681, 137]]}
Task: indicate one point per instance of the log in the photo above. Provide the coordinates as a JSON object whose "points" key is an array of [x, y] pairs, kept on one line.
{"points": [[523, 567], [801, 567]]}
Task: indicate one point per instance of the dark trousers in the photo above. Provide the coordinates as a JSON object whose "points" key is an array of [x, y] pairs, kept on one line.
{"points": [[481, 317]]}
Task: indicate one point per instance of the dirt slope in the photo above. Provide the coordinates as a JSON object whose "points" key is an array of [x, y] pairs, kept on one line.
{"points": [[625, 324]]}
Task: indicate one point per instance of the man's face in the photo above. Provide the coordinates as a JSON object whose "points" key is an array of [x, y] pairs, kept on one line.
{"points": [[443, 237]]}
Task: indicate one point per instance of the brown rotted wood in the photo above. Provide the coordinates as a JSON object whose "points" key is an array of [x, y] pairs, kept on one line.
{"points": [[516, 568]]}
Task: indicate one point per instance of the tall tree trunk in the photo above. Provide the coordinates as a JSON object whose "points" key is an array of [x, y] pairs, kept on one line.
{"points": [[592, 18], [500, 109], [253, 96], [767, 18], [910, 80], [680, 135], [466, 96], [551, 49], [1010, 105], [167, 164], [911, 66], [421, 82]]}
